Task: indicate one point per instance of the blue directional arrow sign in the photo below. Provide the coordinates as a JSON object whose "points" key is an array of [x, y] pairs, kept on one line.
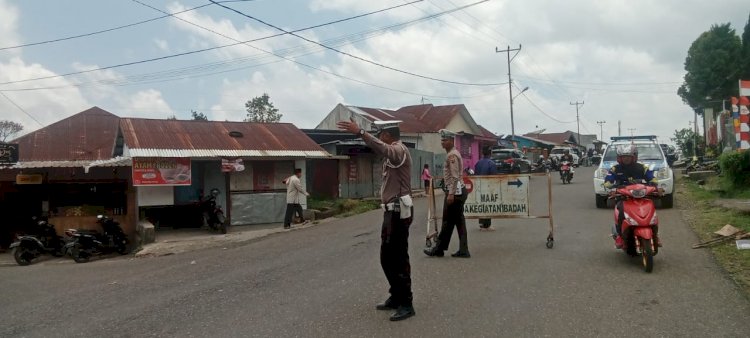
{"points": [[517, 183]]}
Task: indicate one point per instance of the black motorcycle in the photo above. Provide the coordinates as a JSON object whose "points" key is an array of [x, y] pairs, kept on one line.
{"points": [[212, 213], [41, 238], [87, 243]]}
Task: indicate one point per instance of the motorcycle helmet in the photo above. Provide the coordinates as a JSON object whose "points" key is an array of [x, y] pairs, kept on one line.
{"points": [[627, 150]]}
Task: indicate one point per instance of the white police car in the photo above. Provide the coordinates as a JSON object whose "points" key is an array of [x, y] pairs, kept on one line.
{"points": [[649, 153]]}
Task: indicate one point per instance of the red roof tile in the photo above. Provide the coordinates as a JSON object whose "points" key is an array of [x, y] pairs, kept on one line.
{"points": [[88, 135]]}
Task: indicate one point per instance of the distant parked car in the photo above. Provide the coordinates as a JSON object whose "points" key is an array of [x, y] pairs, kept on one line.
{"points": [[669, 153], [511, 161], [559, 151]]}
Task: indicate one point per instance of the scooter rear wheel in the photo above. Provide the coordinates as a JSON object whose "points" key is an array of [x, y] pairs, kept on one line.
{"points": [[647, 255], [79, 256], [22, 256]]}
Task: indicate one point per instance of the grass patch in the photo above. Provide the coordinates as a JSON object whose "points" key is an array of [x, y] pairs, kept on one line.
{"points": [[344, 207], [705, 218]]}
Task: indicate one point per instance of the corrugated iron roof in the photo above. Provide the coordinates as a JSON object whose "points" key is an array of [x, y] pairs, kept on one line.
{"points": [[423, 118], [175, 138], [557, 138], [89, 135]]}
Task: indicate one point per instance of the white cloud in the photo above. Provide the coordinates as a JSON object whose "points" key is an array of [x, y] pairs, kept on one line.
{"points": [[162, 44], [46, 106], [146, 103], [8, 29], [301, 101]]}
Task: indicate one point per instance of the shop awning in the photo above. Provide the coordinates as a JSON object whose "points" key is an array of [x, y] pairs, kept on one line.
{"points": [[224, 153], [86, 164]]}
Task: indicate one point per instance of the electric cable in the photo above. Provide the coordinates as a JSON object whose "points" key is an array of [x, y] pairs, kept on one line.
{"points": [[194, 51], [358, 57]]}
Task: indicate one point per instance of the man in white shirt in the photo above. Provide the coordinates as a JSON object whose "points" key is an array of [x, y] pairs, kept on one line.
{"points": [[293, 191]]}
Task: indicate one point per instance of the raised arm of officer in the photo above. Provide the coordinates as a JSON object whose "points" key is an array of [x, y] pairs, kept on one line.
{"points": [[394, 153]]}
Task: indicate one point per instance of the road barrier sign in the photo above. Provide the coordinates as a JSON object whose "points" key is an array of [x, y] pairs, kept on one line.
{"points": [[494, 197]]}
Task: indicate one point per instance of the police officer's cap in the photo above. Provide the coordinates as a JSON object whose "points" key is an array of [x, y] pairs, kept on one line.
{"points": [[381, 126], [446, 134]]}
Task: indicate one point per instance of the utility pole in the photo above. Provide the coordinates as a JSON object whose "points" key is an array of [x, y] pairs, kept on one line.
{"points": [[632, 131], [601, 129], [578, 124], [619, 128], [695, 136], [510, 86]]}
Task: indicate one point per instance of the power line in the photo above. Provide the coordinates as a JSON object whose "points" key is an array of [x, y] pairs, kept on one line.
{"points": [[178, 73], [194, 51], [21, 109], [108, 29], [328, 72], [542, 111], [358, 57], [607, 83]]}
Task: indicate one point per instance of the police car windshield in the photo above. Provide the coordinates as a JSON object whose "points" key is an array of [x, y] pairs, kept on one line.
{"points": [[646, 152]]}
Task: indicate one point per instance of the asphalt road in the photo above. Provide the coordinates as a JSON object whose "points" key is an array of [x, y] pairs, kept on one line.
{"points": [[324, 282]]}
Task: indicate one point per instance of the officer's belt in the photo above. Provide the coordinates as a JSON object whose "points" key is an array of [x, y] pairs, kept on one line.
{"points": [[389, 206]]}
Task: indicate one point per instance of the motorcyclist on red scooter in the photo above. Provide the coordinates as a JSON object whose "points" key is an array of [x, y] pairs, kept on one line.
{"points": [[566, 156], [627, 170]]}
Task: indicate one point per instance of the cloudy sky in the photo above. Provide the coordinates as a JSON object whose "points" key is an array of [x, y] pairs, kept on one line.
{"points": [[624, 59]]}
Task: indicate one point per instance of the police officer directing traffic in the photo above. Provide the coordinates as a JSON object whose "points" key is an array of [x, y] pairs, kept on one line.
{"points": [[395, 194]]}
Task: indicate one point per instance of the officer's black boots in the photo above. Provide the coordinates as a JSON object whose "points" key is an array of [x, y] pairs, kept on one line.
{"points": [[389, 304], [403, 312]]}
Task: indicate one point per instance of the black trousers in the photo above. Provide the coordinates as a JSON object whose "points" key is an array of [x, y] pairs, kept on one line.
{"points": [[453, 216], [394, 256], [291, 209]]}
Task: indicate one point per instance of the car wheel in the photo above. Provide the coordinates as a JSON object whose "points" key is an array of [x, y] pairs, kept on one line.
{"points": [[601, 201], [667, 201]]}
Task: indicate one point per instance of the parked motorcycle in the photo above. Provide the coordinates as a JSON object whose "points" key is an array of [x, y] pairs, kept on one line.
{"points": [[566, 172], [640, 223], [87, 243], [41, 239], [213, 215], [542, 166]]}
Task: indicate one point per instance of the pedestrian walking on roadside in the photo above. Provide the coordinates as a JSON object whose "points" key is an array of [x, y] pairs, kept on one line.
{"points": [[294, 191], [426, 177], [395, 196], [485, 166], [453, 204]]}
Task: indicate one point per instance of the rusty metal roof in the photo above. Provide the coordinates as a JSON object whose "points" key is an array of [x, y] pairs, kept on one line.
{"points": [[423, 118], [87, 136], [176, 138], [557, 138]]}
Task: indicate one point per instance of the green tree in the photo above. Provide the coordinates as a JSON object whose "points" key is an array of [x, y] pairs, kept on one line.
{"points": [[8, 129], [172, 117], [712, 66], [198, 116], [685, 139], [746, 51], [260, 109]]}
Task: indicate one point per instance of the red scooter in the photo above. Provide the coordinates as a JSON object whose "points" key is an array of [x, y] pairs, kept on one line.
{"points": [[566, 172], [640, 223]]}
